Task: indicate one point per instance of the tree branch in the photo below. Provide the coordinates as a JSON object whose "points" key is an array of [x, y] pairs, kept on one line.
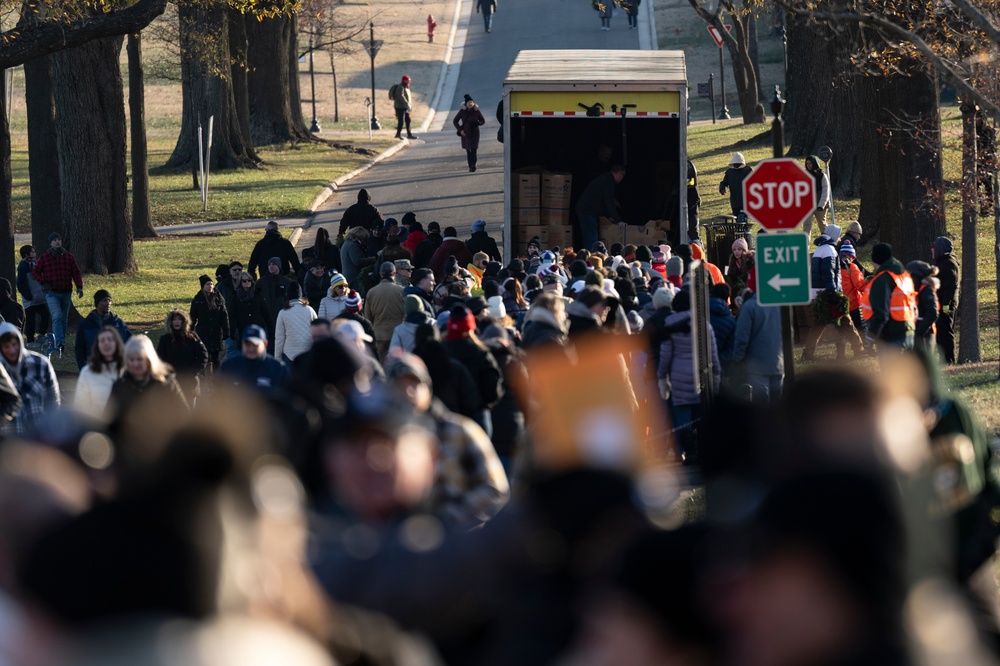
{"points": [[29, 39], [965, 89], [979, 19]]}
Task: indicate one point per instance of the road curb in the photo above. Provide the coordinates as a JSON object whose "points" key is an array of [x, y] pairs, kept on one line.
{"points": [[653, 43], [446, 64]]}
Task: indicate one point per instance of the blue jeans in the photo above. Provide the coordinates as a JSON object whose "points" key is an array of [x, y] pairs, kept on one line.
{"points": [[488, 20], [766, 388], [59, 303], [588, 230], [633, 19]]}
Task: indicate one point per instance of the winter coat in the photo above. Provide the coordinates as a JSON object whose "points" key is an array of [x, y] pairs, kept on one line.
{"points": [[189, 358], [404, 335], [677, 363], [733, 181], [948, 274], [757, 342], [354, 259], [413, 240], [57, 271], [35, 381], [273, 244], [89, 327], [451, 382], [93, 390], [541, 328], [486, 6], [361, 214], [450, 246], [927, 307], [245, 312], [211, 325], [468, 122], [482, 242], [508, 419], [331, 306], [265, 373], [31, 291], [417, 291], [384, 309], [724, 325], [825, 267], [738, 273], [291, 331], [426, 249], [11, 310], [127, 391], [483, 368], [314, 288], [274, 290], [852, 280], [582, 320], [329, 253]]}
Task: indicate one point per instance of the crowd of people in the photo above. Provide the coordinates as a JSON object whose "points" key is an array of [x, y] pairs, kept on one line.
{"points": [[395, 448]]}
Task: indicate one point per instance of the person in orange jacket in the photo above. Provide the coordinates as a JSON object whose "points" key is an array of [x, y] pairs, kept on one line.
{"points": [[698, 252], [853, 281]]}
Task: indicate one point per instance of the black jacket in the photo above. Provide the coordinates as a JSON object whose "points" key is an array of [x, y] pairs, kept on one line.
{"points": [[212, 326], [252, 311], [189, 358], [273, 244], [483, 368], [426, 250], [274, 290], [330, 254], [361, 214], [481, 242], [949, 276]]}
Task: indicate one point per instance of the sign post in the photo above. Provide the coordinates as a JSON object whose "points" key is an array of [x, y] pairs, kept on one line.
{"points": [[717, 38]]}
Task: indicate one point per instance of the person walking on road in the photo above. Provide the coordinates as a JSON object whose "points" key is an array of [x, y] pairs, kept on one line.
{"points": [[361, 214], [468, 121], [401, 103], [57, 272], [487, 7], [631, 8], [605, 8], [273, 244]]}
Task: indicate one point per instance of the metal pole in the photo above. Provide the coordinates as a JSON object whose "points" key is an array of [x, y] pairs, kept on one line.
{"points": [[787, 335], [201, 165], [314, 128], [711, 94], [371, 52], [724, 111], [784, 54]]}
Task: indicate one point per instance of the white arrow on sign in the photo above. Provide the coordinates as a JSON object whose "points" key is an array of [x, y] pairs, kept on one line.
{"points": [[777, 282]]}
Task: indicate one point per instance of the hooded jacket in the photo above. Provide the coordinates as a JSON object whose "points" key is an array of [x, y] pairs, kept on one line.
{"points": [[211, 324], [449, 246], [188, 356], [331, 306], [757, 340], [825, 262], [948, 274], [404, 336], [35, 382], [361, 214], [426, 249], [724, 325], [273, 244], [677, 362], [541, 328], [482, 242], [31, 292], [291, 330], [89, 327]]}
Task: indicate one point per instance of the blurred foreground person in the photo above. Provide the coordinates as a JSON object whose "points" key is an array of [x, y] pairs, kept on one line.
{"points": [[145, 373], [106, 364], [254, 368], [29, 376]]}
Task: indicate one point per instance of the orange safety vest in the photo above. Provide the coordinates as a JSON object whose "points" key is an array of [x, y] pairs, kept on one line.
{"points": [[902, 301]]}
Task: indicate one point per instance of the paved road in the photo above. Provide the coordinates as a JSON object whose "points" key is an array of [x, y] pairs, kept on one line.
{"points": [[431, 177]]}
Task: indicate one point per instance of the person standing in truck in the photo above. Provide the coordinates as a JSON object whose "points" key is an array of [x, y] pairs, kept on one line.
{"points": [[598, 200]]}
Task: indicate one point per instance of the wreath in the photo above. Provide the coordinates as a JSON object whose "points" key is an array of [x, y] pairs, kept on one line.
{"points": [[830, 307]]}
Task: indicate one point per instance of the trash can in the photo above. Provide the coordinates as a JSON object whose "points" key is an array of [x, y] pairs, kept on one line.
{"points": [[720, 234]]}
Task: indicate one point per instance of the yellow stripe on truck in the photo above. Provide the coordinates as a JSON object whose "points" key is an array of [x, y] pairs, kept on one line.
{"points": [[657, 104]]}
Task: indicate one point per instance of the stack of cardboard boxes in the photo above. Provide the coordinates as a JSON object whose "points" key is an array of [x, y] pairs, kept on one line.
{"points": [[652, 232], [540, 207]]}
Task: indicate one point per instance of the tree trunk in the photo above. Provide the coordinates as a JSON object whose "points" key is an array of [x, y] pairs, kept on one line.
{"points": [[43, 153], [238, 51], [902, 188], [269, 44], [8, 267], [207, 91], [753, 50], [142, 224], [823, 103], [294, 92], [90, 104], [336, 103], [968, 335], [743, 71]]}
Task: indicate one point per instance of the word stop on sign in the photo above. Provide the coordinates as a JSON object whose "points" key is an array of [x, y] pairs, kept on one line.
{"points": [[778, 195]]}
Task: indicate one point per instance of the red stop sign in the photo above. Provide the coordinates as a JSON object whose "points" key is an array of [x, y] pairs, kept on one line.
{"points": [[779, 194]]}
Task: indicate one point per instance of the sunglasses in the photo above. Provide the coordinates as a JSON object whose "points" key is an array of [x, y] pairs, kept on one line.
{"points": [[246, 280]]}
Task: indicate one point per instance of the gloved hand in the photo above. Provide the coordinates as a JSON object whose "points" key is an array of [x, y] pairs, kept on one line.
{"points": [[79, 292]]}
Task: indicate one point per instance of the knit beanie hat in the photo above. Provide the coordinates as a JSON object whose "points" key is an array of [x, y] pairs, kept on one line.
{"points": [[203, 279], [682, 301], [659, 258], [100, 295], [337, 279], [854, 228], [460, 320], [636, 271], [54, 235], [675, 266], [642, 253], [881, 253], [476, 305], [596, 261], [665, 249], [663, 297], [497, 309], [492, 269], [578, 268], [741, 244], [353, 303], [848, 250], [697, 252], [479, 225], [412, 303], [274, 260]]}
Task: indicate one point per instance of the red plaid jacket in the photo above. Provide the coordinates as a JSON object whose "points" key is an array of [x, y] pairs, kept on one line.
{"points": [[58, 272]]}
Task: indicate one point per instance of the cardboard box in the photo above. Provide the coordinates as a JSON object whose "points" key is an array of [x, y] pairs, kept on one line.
{"points": [[610, 233], [526, 188], [555, 216], [560, 235], [526, 216], [556, 189], [525, 232]]}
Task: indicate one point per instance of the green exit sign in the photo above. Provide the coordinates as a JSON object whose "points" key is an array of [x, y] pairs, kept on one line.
{"points": [[782, 262]]}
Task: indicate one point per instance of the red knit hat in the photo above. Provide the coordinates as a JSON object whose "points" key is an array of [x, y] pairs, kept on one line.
{"points": [[460, 322], [353, 302]]}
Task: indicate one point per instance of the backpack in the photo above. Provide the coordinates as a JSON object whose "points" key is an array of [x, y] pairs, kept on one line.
{"points": [[393, 90]]}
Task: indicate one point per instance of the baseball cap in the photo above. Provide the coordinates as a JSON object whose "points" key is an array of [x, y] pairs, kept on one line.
{"points": [[255, 334], [352, 330]]}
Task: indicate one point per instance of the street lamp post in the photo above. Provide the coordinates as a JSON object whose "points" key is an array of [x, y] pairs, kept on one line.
{"points": [[372, 51], [784, 56], [724, 111], [314, 128], [778, 145]]}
